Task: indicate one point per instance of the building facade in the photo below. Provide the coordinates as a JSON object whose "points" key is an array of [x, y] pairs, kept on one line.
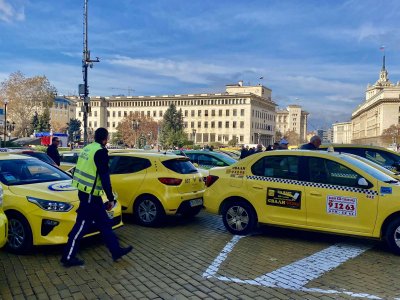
{"points": [[379, 111], [292, 118], [342, 133], [245, 114]]}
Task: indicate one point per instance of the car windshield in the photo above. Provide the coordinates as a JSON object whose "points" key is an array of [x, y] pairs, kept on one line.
{"points": [[367, 168], [27, 171], [40, 155]]}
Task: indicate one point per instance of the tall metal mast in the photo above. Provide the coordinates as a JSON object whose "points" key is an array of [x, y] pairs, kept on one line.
{"points": [[86, 62]]}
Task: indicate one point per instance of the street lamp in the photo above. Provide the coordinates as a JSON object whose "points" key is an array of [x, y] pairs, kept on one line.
{"points": [[194, 136], [135, 127], [5, 120]]}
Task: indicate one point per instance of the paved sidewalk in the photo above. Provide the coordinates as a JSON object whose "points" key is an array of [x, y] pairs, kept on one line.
{"points": [[169, 263]]}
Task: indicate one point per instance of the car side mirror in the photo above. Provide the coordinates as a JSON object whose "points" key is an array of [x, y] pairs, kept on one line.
{"points": [[362, 182]]}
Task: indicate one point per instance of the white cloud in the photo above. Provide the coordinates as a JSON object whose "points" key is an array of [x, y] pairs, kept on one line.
{"points": [[9, 13]]}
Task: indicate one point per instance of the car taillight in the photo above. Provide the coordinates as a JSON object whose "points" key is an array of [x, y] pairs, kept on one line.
{"points": [[170, 181], [210, 180]]}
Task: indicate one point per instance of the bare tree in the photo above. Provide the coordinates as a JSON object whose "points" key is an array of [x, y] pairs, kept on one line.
{"points": [[293, 137], [391, 134], [136, 128], [25, 97]]}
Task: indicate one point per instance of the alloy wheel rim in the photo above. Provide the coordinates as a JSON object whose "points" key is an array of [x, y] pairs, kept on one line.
{"points": [[237, 218], [16, 234], [147, 211], [396, 236]]}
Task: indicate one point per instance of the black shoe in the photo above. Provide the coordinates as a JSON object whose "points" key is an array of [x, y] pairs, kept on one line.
{"points": [[121, 252], [72, 262]]}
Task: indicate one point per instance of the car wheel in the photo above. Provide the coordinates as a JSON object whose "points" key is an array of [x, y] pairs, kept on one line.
{"points": [[239, 217], [19, 234], [191, 212], [148, 211], [393, 236]]}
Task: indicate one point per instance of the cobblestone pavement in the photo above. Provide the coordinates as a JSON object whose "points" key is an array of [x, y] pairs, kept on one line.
{"points": [[185, 260]]}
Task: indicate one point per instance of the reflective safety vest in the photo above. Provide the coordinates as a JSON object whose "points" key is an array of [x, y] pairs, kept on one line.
{"points": [[86, 178]]}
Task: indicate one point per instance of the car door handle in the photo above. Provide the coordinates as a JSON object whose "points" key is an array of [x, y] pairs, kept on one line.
{"points": [[258, 187], [315, 194]]}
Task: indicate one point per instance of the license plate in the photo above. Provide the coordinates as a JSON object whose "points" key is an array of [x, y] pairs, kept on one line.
{"points": [[196, 202], [110, 214]]}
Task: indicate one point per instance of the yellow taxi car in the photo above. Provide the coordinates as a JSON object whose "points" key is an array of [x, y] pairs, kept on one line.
{"points": [[152, 185], [40, 203], [3, 222], [315, 190]]}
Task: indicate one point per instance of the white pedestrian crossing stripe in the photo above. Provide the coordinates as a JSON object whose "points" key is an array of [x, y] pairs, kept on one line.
{"points": [[297, 275]]}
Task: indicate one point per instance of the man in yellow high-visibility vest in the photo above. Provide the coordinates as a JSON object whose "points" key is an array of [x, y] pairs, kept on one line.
{"points": [[92, 179]]}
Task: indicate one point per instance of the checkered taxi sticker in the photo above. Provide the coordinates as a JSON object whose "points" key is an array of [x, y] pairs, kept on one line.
{"points": [[369, 193]]}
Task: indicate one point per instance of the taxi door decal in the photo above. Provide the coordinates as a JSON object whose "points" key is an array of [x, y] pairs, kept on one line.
{"points": [[341, 205], [284, 198]]}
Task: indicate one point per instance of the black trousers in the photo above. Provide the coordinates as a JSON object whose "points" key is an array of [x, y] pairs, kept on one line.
{"points": [[91, 208]]}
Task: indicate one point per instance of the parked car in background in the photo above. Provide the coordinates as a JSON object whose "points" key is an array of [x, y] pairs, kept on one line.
{"points": [[207, 159], [151, 185], [382, 156]]}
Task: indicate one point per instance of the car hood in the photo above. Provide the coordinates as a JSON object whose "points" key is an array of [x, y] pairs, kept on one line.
{"points": [[54, 190]]}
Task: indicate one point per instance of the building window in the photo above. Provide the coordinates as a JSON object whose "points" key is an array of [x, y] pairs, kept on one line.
{"points": [[154, 113], [148, 114], [234, 113], [95, 124], [199, 113], [227, 112], [206, 113], [185, 124], [113, 124], [227, 124], [119, 113], [213, 113], [90, 123], [220, 113], [95, 114], [198, 124], [186, 113], [192, 113], [192, 124], [241, 124], [234, 124], [212, 124], [160, 113], [206, 124], [108, 113], [219, 124], [108, 124]]}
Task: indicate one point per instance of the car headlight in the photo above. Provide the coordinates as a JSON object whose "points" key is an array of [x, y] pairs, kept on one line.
{"points": [[51, 205]]}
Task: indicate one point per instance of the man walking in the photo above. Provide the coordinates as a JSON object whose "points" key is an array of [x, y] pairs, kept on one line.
{"points": [[92, 177], [314, 143], [52, 150]]}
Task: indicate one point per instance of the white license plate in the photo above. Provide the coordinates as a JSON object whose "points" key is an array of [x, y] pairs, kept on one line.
{"points": [[196, 202], [110, 214]]}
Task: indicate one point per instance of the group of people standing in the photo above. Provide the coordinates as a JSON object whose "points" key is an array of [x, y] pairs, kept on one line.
{"points": [[283, 144]]}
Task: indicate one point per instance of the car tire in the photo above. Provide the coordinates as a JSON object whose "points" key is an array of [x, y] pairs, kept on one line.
{"points": [[148, 211], [191, 212], [392, 236], [20, 238], [239, 217]]}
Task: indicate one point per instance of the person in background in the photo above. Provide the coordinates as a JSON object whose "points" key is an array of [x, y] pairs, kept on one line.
{"points": [[314, 143], [259, 148], [269, 148], [52, 150], [275, 146], [283, 144], [92, 179], [243, 152], [252, 150]]}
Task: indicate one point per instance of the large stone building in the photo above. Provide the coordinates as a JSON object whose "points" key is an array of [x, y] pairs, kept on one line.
{"points": [[342, 133], [292, 118], [379, 111], [245, 114]]}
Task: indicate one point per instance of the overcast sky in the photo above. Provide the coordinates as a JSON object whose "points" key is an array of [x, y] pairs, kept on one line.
{"points": [[319, 54]]}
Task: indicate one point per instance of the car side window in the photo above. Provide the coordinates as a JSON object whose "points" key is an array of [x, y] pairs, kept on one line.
{"points": [[355, 151], [209, 160], [127, 164], [285, 167], [330, 172]]}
